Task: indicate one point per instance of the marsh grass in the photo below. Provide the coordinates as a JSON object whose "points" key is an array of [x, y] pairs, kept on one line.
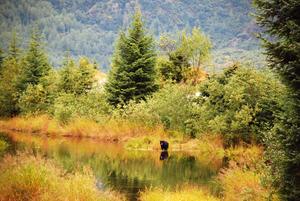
{"points": [[184, 194], [241, 184], [112, 129], [33, 178], [245, 156]]}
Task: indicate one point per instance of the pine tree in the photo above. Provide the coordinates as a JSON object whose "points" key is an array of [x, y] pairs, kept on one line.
{"points": [[13, 50], [67, 76], [86, 75], [9, 73], [75, 79], [133, 69], [281, 20], [35, 64]]}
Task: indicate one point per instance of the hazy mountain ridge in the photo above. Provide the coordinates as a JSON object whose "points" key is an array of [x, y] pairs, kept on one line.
{"points": [[90, 27]]}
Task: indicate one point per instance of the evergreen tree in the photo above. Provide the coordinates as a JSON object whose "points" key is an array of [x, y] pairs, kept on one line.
{"points": [[75, 79], [13, 50], [86, 76], [9, 73], [281, 20], [67, 76], [35, 64], [133, 70]]}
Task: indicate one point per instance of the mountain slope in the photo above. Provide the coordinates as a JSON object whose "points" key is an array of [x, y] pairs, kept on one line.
{"points": [[90, 27]]}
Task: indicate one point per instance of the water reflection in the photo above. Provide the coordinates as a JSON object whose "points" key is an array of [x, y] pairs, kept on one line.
{"points": [[163, 155], [124, 170]]}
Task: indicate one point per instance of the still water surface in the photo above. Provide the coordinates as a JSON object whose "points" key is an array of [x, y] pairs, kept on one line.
{"points": [[127, 171]]}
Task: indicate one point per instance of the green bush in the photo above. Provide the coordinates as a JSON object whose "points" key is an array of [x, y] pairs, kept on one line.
{"points": [[170, 106], [241, 103], [90, 106]]}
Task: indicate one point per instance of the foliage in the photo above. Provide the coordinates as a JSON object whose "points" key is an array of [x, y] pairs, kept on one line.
{"points": [[33, 178], [91, 106], [133, 73], [280, 20], [39, 98], [169, 107], [189, 51], [240, 103], [76, 79]]}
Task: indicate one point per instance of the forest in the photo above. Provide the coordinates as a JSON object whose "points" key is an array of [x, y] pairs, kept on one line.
{"points": [[90, 28], [71, 130]]}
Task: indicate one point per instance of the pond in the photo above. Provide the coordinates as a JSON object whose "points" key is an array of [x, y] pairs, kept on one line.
{"points": [[127, 171]]}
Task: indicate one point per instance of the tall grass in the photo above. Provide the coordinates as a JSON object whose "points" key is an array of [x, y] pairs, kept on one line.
{"points": [[112, 129], [184, 194], [245, 156], [24, 177], [240, 184]]}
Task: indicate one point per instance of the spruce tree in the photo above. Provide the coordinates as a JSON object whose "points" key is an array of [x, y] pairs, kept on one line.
{"points": [[9, 73], [35, 64], [133, 69], [281, 20]]}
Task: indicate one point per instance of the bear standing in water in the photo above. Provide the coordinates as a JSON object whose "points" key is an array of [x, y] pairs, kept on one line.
{"points": [[164, 145]]}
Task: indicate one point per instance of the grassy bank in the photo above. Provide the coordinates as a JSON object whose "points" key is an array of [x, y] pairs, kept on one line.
{"points": [[25, 177], [111, 130]]}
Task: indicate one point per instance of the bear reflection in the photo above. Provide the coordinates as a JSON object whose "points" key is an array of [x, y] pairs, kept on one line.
{"points": [[164, 155]]}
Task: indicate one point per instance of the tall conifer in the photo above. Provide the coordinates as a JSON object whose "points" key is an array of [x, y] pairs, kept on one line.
{"points": [[281, 20], [35, 64], [133, 69]]}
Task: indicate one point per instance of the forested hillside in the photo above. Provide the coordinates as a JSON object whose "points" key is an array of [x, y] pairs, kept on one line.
{"points": [[90, 27]]}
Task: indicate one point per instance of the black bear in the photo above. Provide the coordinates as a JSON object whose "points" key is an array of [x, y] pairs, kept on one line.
{"points": [[164, 145]]}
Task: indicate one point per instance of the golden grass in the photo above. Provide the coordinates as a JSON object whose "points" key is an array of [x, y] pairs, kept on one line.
{"points": [[113, 130], [184, 194], [249, 156], [240, 184], [25, 177]]}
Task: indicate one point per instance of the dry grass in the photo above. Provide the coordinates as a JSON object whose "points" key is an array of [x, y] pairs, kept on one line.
{"points": [[31, 178], [240, 184], [113, 130], [249, 156], [184, 194]]}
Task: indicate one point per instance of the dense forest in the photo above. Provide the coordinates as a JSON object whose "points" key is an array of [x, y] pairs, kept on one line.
{"points": [[89, 28]]}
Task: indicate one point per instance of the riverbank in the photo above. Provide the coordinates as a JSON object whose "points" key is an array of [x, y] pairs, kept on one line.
{"points": [[111, 130], [240, 178], [132, 135]]}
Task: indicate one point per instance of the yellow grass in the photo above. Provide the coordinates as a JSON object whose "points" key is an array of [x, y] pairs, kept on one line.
{"points": [[245, 156], [113, 130], [185, 194], [31, 178], [241, 184]]}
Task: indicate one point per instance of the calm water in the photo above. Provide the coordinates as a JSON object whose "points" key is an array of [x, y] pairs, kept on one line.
{"points": [[124, 170]]}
